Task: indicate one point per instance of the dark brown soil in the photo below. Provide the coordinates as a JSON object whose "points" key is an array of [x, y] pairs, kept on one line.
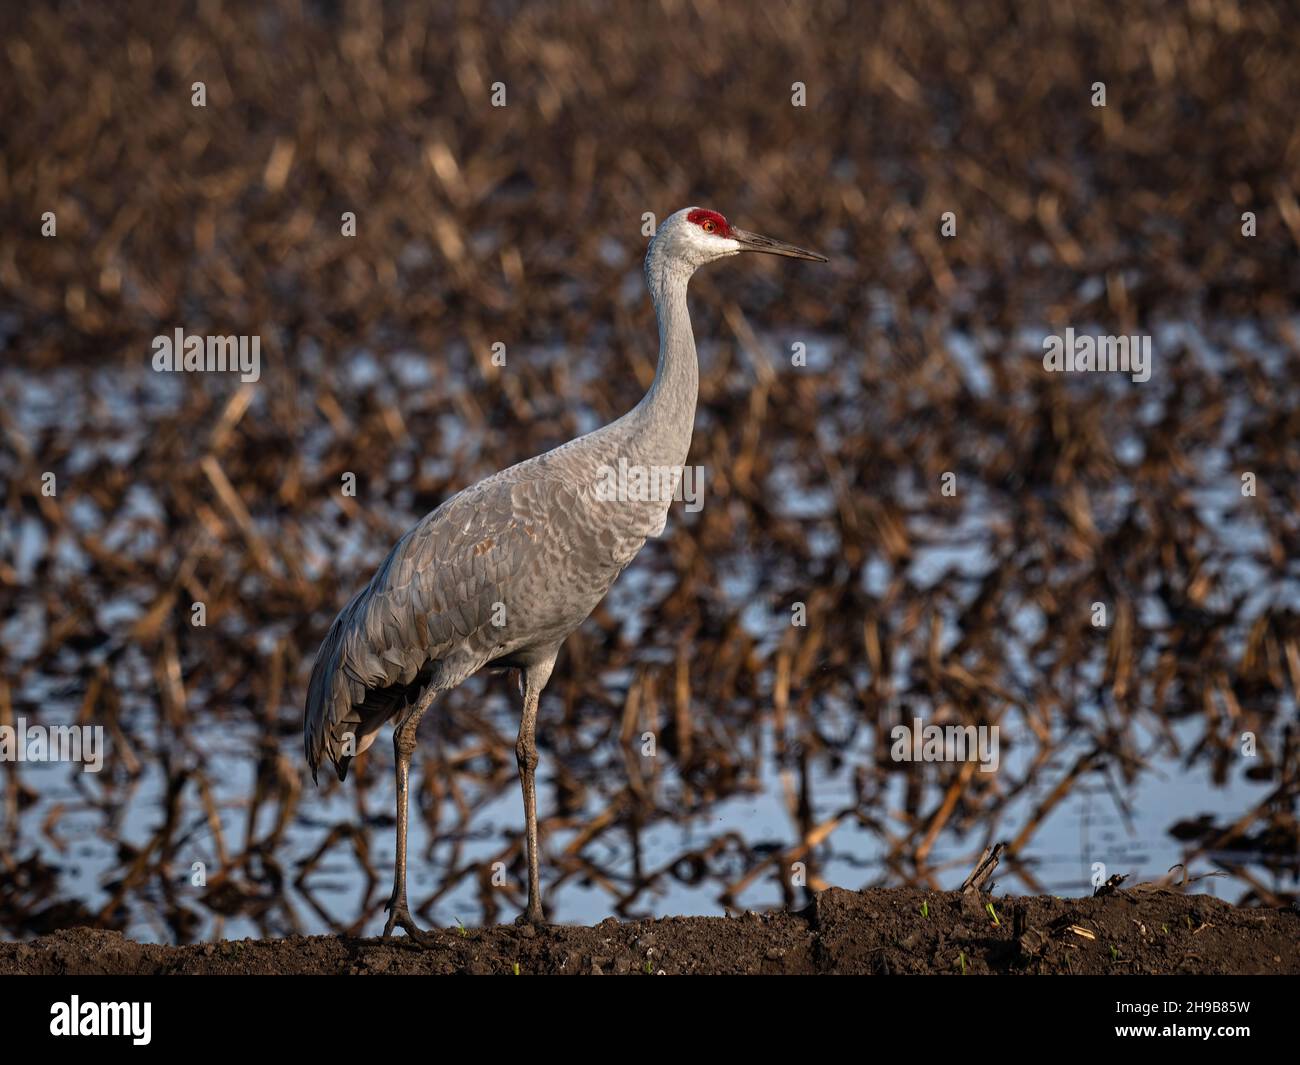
{"points": [[877, 931]]}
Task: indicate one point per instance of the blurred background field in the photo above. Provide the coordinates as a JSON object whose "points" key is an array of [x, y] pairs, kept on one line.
{"points": [[522, 225]]}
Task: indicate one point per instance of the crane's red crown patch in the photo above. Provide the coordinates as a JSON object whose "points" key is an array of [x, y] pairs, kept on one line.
{"points": [[709, 221]]}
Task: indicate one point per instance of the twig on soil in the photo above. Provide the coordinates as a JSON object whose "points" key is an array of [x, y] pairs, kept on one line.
{"points": [[984, 869]]}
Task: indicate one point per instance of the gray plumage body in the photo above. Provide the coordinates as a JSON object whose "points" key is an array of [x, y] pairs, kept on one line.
{"points": [[533, 547]]}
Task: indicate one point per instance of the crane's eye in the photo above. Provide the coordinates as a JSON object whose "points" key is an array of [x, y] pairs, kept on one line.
{"points": [[709, 225]]}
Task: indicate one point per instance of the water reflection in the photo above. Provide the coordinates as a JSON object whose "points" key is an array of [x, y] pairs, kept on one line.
{"points": [[770, 775]]}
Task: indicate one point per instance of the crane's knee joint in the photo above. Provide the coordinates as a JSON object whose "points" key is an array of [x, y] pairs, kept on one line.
{"points": [[526, 754], [404, 741]]}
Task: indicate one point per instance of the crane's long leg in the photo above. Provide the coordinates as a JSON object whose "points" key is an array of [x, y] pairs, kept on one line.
{"points": [[403, 747], [535, 678]]}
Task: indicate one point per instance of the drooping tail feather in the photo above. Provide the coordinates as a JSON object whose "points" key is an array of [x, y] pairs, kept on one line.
{"points": [[334, 725]]}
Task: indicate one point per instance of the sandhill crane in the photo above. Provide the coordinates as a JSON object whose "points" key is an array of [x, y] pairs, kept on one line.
{"points": [[502, 572]]}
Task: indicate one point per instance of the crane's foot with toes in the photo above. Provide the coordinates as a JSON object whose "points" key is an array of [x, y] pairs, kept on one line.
{"points": [[400, 917]]}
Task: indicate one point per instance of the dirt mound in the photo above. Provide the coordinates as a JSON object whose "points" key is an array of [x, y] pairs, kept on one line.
{"points": [[877, 931]]}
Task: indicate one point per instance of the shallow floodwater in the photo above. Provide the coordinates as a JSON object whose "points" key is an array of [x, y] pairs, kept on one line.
{"points": [[89, 829]]}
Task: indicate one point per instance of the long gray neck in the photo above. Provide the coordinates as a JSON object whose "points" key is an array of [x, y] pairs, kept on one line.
{"points": [[665, 417]]}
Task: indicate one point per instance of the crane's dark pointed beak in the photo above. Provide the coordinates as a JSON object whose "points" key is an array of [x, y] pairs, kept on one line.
{"points": [[753, 242]]}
